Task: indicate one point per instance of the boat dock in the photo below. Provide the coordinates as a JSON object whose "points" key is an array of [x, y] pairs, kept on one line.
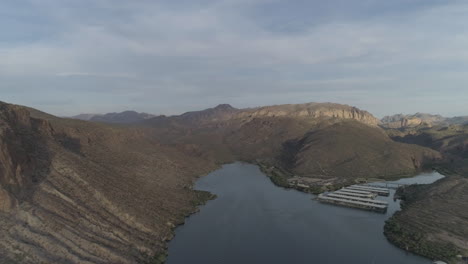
{"points": [[361, 194], [377, 190], [357, 196], [388, 185]]}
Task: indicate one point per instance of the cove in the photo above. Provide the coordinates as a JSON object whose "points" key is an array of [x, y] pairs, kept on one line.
{"points": [[254, 221]]}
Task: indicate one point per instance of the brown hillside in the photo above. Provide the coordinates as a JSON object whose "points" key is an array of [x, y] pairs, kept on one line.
{"points": [[434, 220], [78, 192], [353, 150]]}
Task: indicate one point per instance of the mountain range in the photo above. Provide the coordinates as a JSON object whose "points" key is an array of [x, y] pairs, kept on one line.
{"points": [[226, 111], [75, 191], [125, 117], [420, 119]]}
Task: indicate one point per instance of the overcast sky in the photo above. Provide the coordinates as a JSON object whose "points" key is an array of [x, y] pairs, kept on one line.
{"points": [[166, 57]]}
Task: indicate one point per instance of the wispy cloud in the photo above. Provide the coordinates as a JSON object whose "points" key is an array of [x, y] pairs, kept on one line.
{"points": [[96, 74], [148, 53]]}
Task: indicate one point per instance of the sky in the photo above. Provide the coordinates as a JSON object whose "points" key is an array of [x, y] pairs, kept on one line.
{"points": [[68, 57]]}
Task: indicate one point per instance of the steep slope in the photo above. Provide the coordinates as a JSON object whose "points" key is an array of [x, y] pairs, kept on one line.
{"points": [[352, 150], [79, 192], [24, 157], [434, 219], [451, 141]]}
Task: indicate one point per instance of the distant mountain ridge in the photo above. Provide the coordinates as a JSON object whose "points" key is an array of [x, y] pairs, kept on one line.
{"points": [[226, 112], [85, 117], [125, 117], [420, 119], [307, 111]]}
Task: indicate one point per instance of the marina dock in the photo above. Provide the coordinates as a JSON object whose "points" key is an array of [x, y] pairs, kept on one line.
{"points": [[357, 196], [361, 194], [376, 190], [388, 185]]}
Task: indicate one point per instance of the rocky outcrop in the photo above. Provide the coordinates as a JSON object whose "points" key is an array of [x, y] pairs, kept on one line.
{"points": [[408, 121], [24, 157], [312, 111]]}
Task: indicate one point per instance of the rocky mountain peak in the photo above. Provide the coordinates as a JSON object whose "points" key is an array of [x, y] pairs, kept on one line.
{"points": [[224, 107]]}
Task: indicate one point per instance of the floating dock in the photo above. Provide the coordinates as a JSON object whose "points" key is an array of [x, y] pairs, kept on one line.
{"points": [[361, 194], [366, 205], [357, 196], [388, 185], [376, 190]]}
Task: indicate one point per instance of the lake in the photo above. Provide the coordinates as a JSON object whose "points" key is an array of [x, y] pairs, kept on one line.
{"points": [[254, 221]]}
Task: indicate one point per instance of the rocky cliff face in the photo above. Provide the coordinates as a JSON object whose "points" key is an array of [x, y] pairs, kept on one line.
{"points": [[312, 111], [24, 157], [81, 192], [408, 121]]}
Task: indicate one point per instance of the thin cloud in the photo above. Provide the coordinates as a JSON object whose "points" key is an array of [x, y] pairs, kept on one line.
{"points": [[146, 53], [94, 74]]}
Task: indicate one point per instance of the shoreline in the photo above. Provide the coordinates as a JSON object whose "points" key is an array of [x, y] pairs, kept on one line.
{"points": [[273, 173], [417, 242]]}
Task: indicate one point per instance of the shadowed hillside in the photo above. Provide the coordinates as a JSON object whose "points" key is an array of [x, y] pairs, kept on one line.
{"points": [[434, 222], [79, 192], [451, 141]]}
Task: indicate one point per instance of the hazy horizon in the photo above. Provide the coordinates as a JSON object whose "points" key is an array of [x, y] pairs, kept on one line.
{"points": [[166, 57], [213, 106]]}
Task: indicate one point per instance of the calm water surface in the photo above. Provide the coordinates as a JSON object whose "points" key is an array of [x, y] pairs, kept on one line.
{"points": [[254, 221]]}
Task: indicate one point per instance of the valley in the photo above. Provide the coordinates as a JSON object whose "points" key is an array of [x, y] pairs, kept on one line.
{"points": [[92, 192]]}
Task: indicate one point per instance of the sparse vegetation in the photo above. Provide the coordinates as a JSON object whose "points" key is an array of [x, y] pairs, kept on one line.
{"points": [[201, 197], [159, 258], [434, 219], [416, 241]]}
